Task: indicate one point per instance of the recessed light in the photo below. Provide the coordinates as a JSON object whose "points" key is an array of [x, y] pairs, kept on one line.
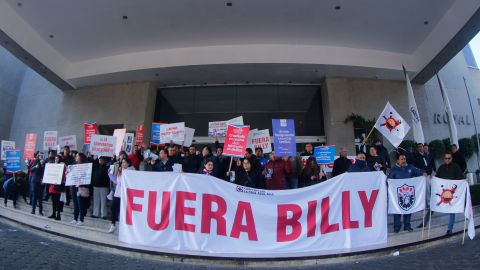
{"points": [[156, 74], [338, 7], [51, 36], [425, 22], [19, 4], [124, 17], [229, 4]]}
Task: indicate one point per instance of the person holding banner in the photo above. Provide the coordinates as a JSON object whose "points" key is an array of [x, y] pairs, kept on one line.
{"points": [[448, 171], [402, 170], [247, 176], [101, 185], [56, 191], [312, 173], [360, 164], [125, 164], [80, 196], [191, 163], [276, 172], [37, 187], [376, 162]]}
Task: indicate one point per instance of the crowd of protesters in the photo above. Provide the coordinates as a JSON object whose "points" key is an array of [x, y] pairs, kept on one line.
{"points": [[255, 169]]}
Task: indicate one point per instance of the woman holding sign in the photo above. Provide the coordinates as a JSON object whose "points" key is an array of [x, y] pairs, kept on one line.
{"points": [[312, 173], [125, 164], [55, 192], [80, 196]]}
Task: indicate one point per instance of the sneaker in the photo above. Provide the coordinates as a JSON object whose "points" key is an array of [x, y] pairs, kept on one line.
{"points": [[110, 195], [80, 223], [396, 230], [448, 232], [73, 222], [112, 229]]}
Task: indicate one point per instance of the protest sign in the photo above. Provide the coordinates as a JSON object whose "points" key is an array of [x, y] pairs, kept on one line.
{"points": [[70, 141], [155, 134], [119, 134], [324, 154], [13, 161], [79, 174], [236, 141], [88, 130], [139, 134], [49, 140], [128, 143], [261, 138], [6, 145], [219, 128], [103, 146], [284, 137], [30, 145], [53, 173], [172, 132]]}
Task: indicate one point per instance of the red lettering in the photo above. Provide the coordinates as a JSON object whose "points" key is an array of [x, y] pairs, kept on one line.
{"points": [[208, 214], [131, 194], [368, 205], [152, 209], [244, 209], [181, 210], [346, 221], [325, 226], [283, 221], [311, 218]]}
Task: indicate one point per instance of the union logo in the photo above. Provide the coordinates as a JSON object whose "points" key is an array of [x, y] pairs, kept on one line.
{"points": [[391, 123], [447, 195], [406, 196]]}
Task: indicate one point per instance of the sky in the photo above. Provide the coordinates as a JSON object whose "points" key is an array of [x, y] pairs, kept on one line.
{"points": [[475, 45]]}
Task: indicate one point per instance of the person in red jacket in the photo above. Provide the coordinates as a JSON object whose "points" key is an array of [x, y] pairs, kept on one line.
{"points": [[134, 158], [276, 172]]}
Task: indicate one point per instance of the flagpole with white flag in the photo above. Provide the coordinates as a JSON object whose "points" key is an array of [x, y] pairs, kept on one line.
{"points": [[412, 108], [448, 109], [391, 125]]}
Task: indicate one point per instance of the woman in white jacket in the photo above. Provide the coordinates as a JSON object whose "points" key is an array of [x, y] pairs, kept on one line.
{"points": [[125, 164]]}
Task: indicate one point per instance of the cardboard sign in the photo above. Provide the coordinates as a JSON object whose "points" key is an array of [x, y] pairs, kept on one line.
{"points": [[236, 141], [189, 132], [89, 129], [80, 174], [261, 138], [6, 145], [103, 146], [140, 134], [172, 132], [70, 141], [13, 161], [219, 128], [128, 143], [284, 137], [49, 140], [30, 145], [324, 154], [120, 135], [155, 134], [53, 173]]}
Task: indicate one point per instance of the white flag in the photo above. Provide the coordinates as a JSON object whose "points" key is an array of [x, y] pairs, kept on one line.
{"points": [[452, 127], [412, 107], [469, 215], [392, 125], [406, 196]]}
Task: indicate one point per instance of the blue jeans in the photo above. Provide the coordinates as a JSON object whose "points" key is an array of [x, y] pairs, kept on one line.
{"points": [[37, 196], [451, 221], [397, 223], [79, 205]]}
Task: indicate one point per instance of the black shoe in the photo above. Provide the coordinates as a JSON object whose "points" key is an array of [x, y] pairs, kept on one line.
{"points": [[58, 217], [409, 230], [5, 204], [33, 212], [448, 232], [51, 216], [40, 213], [420, 226], [396, 230]]}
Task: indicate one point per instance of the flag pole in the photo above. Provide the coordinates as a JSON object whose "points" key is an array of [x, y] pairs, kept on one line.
{"points": [[464, 228], [370, 133], [423, 223], [429, 223], [230, 166]]}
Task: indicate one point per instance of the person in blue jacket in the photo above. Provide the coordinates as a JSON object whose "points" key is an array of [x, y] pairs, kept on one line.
{"points": [[402, 170], [360, 164]]}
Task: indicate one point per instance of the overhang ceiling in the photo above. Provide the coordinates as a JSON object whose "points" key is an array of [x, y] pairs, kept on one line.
{"points": [[177, 42]]}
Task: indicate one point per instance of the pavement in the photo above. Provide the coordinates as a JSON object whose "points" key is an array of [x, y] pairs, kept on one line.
{"points": [[25, 248]]}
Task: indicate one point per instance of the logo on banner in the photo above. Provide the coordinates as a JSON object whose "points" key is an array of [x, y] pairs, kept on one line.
{"points": [[406, 196], [447, 195], [391, 123]]}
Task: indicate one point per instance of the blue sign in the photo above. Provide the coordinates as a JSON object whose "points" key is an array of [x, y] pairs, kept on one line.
{"points": [[14, 161], [324, 154], [155, 134], [284, 137]]}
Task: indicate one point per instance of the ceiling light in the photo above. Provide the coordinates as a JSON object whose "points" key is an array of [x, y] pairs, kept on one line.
{"points": [[125, 17], [338, 7], [425, 22], [19, 4], [156, 74], [229, 4], [51, 36]]}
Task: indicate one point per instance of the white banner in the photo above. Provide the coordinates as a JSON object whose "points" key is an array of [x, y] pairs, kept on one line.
{"points": [[172, 132], [49, 140], [392, 125], [406, 196], [53, 173], [80, 174], [70, 141], [6, 145], [199, 214], [102, 146], [448, 196]]}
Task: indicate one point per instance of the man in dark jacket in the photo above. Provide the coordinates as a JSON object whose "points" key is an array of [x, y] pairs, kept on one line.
{"points": [[383, 152], [360, 164], [163, 164], [376, 162], [341, 164], [308, 150], [402, 170], [420, 160], [191, 163], [458, 158], [101, 187]]}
